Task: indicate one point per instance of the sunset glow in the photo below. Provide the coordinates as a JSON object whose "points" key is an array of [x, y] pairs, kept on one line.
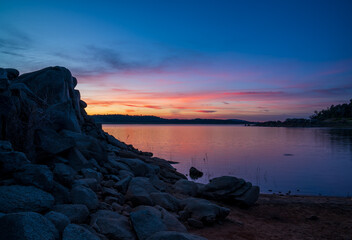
{"points": [[234, 65]]}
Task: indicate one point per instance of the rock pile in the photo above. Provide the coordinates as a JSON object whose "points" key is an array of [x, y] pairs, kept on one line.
{"points": [[63, 177]]}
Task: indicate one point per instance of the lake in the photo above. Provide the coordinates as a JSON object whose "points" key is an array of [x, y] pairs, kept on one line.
{"points": [[305, 161]]}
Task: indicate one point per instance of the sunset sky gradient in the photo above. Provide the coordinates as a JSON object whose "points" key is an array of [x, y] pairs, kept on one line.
{"points": [[251, 60]]}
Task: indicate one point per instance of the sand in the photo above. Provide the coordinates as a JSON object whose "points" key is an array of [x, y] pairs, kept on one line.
{"points": [[286, 217]]}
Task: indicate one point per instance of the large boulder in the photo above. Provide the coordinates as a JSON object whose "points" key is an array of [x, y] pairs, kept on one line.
{"points": [[77, 213], [139, 168], [91, 183], [112, 224], [146, 222], [203, 210], [49, 141], [60, 193], [11, 162], [186, 187], [90, 173], [37, 175], [26, 226], [232, 190], [166, 201], [139, 191], [172, 235], [64, 174], [58, 219], [24, 198], [84, 195], [76, 232]]}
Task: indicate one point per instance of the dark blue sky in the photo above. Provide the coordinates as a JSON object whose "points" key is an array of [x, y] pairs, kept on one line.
{"points": [[221, 59]]}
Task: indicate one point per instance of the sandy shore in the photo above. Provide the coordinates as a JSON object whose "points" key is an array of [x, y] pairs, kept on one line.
{"points": [[286, 217]]}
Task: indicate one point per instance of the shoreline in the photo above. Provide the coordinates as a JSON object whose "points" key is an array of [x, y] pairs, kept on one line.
{"points": [[285, 217]]}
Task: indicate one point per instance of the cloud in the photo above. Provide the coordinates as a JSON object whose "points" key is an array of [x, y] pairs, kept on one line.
{"points": [[205, 111]]}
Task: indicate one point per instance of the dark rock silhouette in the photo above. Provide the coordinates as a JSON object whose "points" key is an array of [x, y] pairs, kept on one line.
{"points": [[63, 177], [194, 173]]}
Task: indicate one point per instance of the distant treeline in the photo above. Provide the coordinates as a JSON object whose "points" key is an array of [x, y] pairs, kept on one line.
{"points": [[334, 116], [132, 119]]}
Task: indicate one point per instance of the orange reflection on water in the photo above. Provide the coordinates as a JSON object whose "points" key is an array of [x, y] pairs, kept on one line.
{"points": [[311, 160]]}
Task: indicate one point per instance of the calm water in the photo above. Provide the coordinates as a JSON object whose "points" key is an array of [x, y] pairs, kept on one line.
{"points": [[301, 160]]}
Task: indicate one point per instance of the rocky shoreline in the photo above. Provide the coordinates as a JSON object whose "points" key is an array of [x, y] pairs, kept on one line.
{"points": [[63, 177]]}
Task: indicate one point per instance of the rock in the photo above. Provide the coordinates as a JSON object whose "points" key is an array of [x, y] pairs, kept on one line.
{"points": [[64, 174], [138, 167], [60, 193], [146, 222], [76, 160], [112, 225], [84, 195], [76, 232], [139, 191], [116, 207], [203, 210], [221, 186], [51, 142], [194, 173], [12, 73], [90, 173], [172, 235], [58, 219], [24, 198], [122, 185], [112, 192], [249, 197], [170, 221], [89, 146], [77, 213], [157, 183], [37, 175], [232, 190], [11, 162], [5, 146], [125, 173], [91, 183], [26, 226], [166, 201], [186, 187]]}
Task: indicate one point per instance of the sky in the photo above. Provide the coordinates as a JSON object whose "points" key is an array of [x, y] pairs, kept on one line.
{"points": [[251, 60]]}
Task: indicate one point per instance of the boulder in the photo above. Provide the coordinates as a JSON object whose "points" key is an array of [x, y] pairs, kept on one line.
{"points": [[166, 201], [172, 235], [89, 146], [122, 185], [64, 174], [112, 224], [139, 168], [58, 219], [186, 187], [51, 142], [76, 160], [90, 173], [11, 162], [91, 183], [60, 193], [77, 213], [24, 198], [26, 226], [84, 195], [194, 173], [146, 222], [139, 191], [203, 210], [37, 175], [232, 190], [76, 232]]}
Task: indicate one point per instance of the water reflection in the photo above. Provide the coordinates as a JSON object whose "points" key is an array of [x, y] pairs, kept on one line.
{"points": [[300, 160]]}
